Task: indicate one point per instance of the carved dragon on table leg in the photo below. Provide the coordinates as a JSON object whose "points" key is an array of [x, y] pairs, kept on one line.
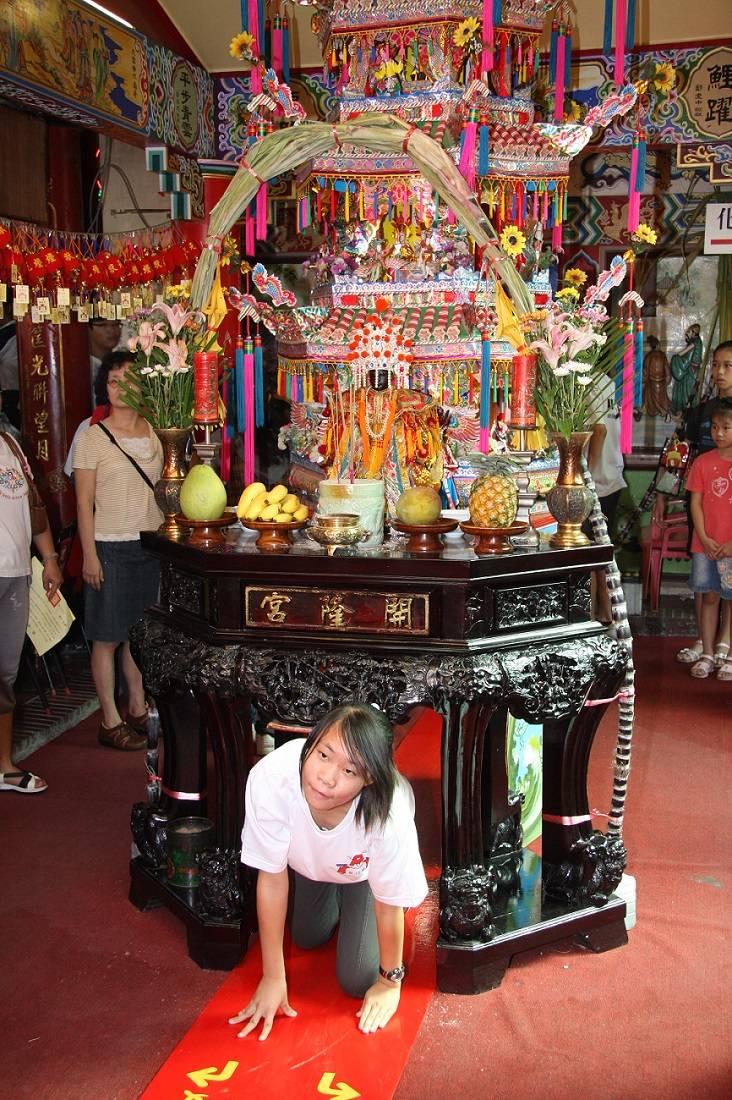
{"points": [[219, 892], [590, 875], [149, 832], [466, 915]]}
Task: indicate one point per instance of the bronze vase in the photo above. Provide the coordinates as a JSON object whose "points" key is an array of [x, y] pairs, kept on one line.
{"points": [[167, 488], [569, 501]]}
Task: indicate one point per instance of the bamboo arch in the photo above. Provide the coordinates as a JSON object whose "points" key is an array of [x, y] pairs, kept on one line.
{"points": [[284, 150]]}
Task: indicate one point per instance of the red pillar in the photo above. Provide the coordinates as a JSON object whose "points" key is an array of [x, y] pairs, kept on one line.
{"points": [[54, 359]]}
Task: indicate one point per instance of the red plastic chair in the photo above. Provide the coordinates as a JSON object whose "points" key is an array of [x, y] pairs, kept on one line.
{"points": [[668, 541]]}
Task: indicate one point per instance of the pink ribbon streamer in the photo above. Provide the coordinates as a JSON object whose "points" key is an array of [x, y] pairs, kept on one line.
{"points": [[620, 21], [486, 57], [253, 28], [249, 418], [633, 196], [559, 84], [626, 407]]}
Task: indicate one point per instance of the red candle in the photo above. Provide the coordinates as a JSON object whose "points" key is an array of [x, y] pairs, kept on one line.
{"points": [[523, 384], [206, 387]]}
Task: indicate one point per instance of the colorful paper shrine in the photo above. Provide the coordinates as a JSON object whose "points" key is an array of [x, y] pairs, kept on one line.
{"points": [[463, 75]]}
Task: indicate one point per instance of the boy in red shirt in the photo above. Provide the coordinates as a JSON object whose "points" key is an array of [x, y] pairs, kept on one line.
{"points": [[710, 485]]}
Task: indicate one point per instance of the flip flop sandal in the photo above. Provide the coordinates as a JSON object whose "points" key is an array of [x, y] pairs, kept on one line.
{"points": [[704, 667], [724, 670], [122, 737], [29, 783], [691, 654], [721, 653]]}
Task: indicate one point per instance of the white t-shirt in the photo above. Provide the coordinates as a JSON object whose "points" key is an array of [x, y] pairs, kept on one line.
{"points": [[607, 472], [279, 831], [69, 463], [15, 523]]}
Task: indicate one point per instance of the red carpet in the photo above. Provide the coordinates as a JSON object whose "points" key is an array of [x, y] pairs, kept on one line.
{"points": [[321, 1049], [96, 996]]}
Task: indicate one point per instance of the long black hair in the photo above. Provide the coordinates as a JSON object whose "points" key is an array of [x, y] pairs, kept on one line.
{"points": [[368, 738], [113, 360]]}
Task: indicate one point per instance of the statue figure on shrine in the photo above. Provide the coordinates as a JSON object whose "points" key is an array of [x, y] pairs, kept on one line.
{"points": [[685, 370], [656, 379], [392, 433]]}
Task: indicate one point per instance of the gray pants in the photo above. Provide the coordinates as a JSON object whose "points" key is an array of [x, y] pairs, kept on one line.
{"points": [[14, 608], [317, 909]]}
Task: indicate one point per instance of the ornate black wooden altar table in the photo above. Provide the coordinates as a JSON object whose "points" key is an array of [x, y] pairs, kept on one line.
{"points": [[296, 633]]}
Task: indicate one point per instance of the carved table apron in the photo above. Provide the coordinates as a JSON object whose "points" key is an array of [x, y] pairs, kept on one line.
{"points": [[474, 638]]}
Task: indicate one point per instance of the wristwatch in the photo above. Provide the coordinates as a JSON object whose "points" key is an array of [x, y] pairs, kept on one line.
{"points": [[397, 974]]}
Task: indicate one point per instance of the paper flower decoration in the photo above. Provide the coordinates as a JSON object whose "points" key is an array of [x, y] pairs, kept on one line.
{"points": [[465, 32], [240, 46], [644, 234], [664, 78], [513, 241], [575, 276]]}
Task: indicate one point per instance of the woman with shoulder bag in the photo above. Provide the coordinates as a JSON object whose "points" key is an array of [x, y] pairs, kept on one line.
{"points": [[22, 518], [116, 464]]}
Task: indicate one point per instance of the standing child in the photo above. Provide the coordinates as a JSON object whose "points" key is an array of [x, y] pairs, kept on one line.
{"points": [[710, 485], [335, 810]]}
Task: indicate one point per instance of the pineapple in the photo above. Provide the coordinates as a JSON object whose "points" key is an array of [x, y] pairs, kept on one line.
{"points": [[493, 500]]}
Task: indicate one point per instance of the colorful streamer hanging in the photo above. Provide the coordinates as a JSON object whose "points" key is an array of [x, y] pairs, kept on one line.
{"points": [[239, 384], [623, 40], [467, 148], [248, 371], [258, 382], [485, 393]]}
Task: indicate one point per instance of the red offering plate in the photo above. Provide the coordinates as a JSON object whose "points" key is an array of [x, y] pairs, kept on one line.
{"points": [[206, 532], [425, 536], [274, 537], [493, 540]]}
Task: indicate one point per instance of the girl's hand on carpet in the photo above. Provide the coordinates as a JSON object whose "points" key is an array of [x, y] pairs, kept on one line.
{"points": [[269, 999], [379, 1005]]}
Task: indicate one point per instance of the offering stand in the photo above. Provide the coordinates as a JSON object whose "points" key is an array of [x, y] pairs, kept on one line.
{"points": [[474, 637]]}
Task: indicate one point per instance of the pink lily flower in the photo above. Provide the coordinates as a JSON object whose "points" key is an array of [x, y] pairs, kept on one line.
{"points": [[177, 353], [177, 316]]}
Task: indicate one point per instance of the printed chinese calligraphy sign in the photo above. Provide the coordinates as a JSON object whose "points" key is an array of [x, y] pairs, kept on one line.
{"points": [[363, 612]]}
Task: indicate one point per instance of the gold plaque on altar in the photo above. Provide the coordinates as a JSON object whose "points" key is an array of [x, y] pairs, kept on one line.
{"points": [[338, 610]]}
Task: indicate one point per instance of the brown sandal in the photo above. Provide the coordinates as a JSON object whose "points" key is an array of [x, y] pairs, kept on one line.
{"points": [[122, 737], [138, 722]]}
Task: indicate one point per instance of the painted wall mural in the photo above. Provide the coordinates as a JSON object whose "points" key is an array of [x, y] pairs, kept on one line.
{"points": [[696, 107], [69, 62], [62, 46]]}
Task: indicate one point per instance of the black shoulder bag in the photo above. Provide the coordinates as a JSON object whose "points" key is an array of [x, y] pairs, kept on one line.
{"points": [[139, 469]]}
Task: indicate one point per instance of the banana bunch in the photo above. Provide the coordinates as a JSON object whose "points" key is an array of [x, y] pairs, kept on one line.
{"points": [[275, 506]]}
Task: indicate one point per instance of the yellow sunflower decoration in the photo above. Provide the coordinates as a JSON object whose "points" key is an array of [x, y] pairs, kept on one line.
{"points": [[568, 294], [644, 234], [465, 32], [513, 241], [664, 78], [240, 46], [575, 276]]}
